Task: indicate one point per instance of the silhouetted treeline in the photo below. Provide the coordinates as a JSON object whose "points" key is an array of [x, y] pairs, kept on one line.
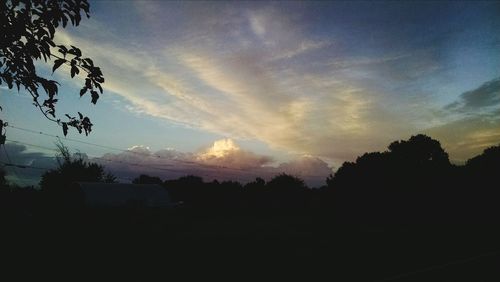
{"points": [[284, 221], [283, 191], [413, 181]]}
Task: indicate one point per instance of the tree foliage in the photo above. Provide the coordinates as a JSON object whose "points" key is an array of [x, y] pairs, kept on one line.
{"points": [[72, 168], [146, 179], [27, 29]]}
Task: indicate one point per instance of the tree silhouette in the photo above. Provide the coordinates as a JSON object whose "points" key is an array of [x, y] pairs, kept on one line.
{"points": [[481, 176], [146, 179], [411, 179], [27, 30], [419, 150], [486, 164], [286, 191], [72, 169], [286, 183]]}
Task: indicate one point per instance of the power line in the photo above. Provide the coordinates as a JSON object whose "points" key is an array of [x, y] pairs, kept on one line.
{"points": [[65, 138], [193, 163], [95, 157], [33, 145], [14, 167], [99, 158], [116, 149], [23, 166]]}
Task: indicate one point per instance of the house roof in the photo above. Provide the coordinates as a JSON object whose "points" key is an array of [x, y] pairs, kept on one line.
{"points": [[118, 194]]}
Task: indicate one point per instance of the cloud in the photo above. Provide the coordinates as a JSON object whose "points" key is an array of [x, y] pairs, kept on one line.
{"points": [[473, 122], [312, 169], [33, 164], [224, 160], [467, 137], [226, 153], [260, 73], [484, 97]]}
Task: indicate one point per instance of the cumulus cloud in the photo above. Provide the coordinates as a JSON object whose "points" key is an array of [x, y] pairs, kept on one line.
{"points": [[224, 160], [226, 153]]}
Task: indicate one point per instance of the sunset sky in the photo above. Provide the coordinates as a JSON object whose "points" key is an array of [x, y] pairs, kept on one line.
{"points": [[242, 89]]}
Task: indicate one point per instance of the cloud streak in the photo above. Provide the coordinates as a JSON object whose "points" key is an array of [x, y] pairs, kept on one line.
{"points": [[262, 73], [474, 121], [485, 96]]}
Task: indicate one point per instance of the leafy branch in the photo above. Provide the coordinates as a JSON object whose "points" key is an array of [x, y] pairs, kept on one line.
{"points": [[27, 31]]}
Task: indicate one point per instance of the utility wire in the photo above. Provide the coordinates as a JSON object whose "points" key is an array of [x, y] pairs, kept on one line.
{"points": [[14, 170], [157, 167], [117, 149], [193, 163], [23, 166]]}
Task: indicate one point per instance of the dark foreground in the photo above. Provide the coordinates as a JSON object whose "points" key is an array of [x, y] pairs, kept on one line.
{"points": [[141, 244]]}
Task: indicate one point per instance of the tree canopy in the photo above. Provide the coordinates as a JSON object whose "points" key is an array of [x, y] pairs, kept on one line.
{"points": [[27, 30]]}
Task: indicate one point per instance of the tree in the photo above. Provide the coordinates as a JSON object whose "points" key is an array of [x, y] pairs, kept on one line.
{"points": [[27, 30], [286, 191], [146, 179], [257, 185], [286, 183], [406, 181], [72, 169], [419, 150], [487, 163]]}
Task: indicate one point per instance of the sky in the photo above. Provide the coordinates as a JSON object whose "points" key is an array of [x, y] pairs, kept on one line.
{"points": [[234, 90]]}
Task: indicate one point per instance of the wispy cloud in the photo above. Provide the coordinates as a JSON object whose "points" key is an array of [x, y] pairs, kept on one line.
{"points": [[261, 73], [473, 121], [475, 101]]}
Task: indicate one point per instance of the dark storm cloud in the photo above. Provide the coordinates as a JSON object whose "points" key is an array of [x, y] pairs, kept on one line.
{"points": [[31, 164]]}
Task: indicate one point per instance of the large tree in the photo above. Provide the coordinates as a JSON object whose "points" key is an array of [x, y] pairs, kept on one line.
{"points": [[27, 29]]}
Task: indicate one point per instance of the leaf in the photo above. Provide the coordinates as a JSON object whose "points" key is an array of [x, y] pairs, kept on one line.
{"points": [[75, 51], [99, 86], [64, 20], [62, 49], [8, 79], [52, 30], [65, 128], [89, 61], [83, 91], [74, 70], [57, 64], [95, 96], [80, 114]]}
